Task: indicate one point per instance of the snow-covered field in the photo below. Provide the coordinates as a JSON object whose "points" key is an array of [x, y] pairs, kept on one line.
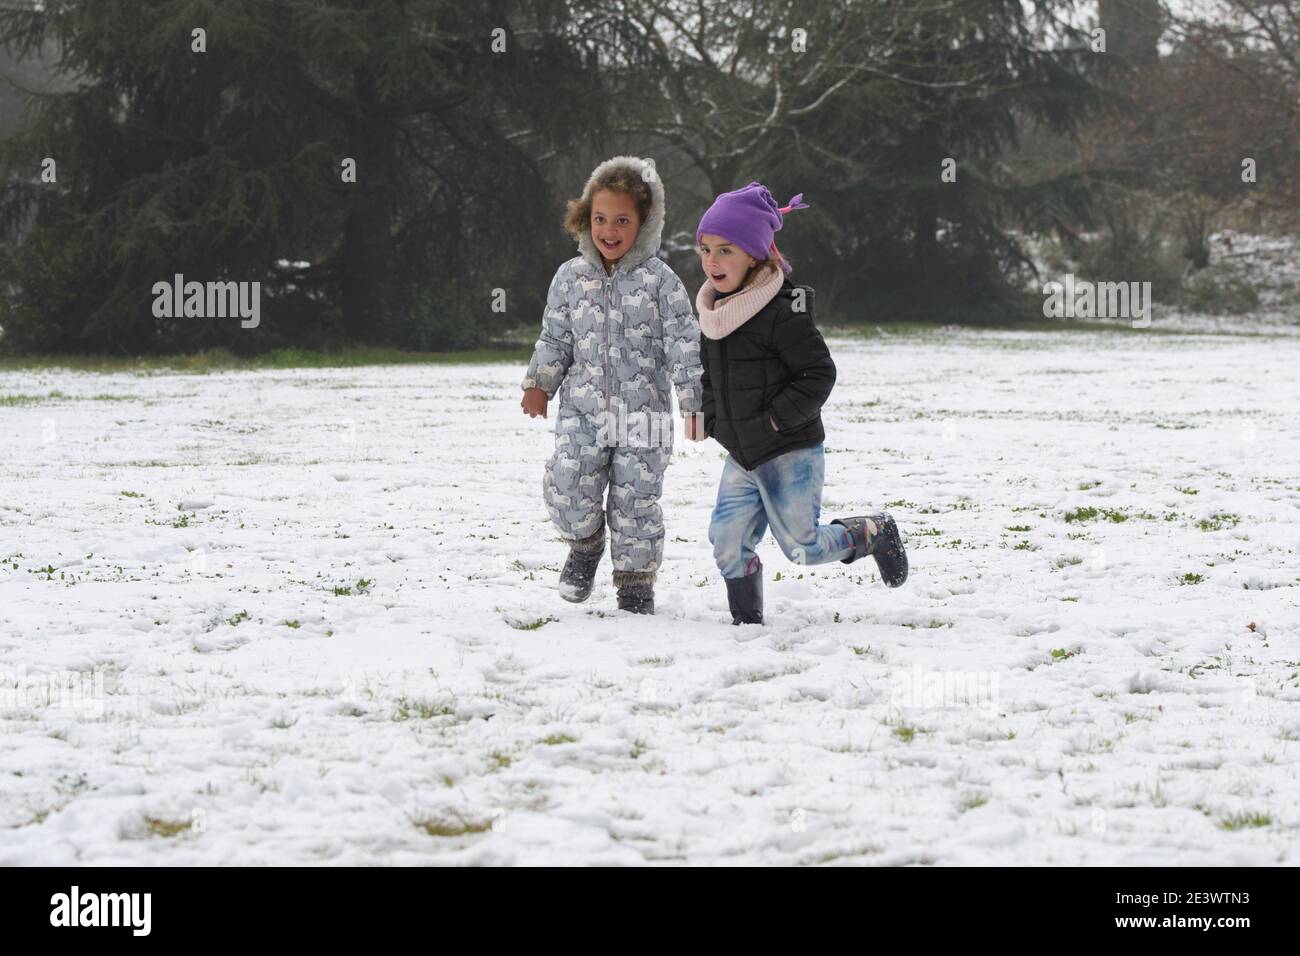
{"points": [[311, 617]]}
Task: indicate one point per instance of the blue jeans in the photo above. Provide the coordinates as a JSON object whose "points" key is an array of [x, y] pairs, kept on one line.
{"points": [[784, 493]]}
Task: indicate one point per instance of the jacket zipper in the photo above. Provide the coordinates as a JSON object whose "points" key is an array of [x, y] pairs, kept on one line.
{"points": [[608, 378]]}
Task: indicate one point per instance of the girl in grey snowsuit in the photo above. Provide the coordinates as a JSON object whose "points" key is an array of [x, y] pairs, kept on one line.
{"points": [[617, 330]]}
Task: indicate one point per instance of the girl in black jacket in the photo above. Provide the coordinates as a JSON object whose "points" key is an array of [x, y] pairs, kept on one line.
{"points": [[767, 373]]}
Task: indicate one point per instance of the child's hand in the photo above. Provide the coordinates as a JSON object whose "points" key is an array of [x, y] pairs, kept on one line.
{"points": [[694, 425], [534, 402]]}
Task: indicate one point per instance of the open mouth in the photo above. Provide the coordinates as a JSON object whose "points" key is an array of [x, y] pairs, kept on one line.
{"points": [[610, 245], [718, 277]]}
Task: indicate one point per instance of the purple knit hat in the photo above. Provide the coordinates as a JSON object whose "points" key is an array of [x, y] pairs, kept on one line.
{"points": [[749, 217]]}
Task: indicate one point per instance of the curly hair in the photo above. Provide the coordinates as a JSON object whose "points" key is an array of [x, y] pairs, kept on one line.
{"points": [[577, 217]]}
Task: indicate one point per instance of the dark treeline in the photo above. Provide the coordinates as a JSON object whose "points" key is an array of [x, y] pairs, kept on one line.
{"points": [[470, 123]]}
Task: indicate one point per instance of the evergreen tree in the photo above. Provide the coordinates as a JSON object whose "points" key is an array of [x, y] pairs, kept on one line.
{"points": [[227, 165]]}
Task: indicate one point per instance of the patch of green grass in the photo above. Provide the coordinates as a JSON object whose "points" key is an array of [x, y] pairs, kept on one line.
{"points": [[1218, 521], [408, 708], [237, 619], [1024, 546], [1066, 561], [956, 543], [991, 323], [346, 590], [131, 494], [656, 661], [165, 828], [10, 401], [1019, 527], [556, 739], [1242, 821], [1090, 513], [1191, 577], [220, 360], [906, 732], [1089, 485], [1186, 491], [293, 624], [532, 625], [453, 828], [1061, 654], [973, 800]]}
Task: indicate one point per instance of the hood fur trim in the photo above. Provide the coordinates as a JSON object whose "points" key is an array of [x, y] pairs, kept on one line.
{"points": [[649, 238]]}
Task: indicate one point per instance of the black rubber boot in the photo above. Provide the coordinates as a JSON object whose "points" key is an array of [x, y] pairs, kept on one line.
{"points": [[886, 545], [745, 597], [579, 572], [636, 591]]}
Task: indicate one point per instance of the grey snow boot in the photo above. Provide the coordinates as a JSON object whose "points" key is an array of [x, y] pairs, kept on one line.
{"points": [[579, 573], [745, 597], [885, 545], [636, 591]]}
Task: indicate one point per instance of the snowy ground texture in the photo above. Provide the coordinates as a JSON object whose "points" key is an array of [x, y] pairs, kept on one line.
{"points": [[311, 617]]}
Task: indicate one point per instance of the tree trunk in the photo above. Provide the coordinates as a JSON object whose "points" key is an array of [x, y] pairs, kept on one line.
{"points": [[367, 232], [925, 243], [1196, 240]]}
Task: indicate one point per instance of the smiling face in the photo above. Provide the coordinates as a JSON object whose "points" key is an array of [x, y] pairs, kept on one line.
{"points": [[725, 263], [614, 224]]}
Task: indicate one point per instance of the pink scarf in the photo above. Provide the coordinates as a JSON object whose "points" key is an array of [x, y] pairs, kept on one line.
{"points": [[739, 307]]}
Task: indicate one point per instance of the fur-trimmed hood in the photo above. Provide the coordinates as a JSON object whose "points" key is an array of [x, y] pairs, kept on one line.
{"points": [[651, 233]]}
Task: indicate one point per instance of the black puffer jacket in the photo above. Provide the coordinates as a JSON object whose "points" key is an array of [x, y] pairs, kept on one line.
{"points": [[775, 365]]}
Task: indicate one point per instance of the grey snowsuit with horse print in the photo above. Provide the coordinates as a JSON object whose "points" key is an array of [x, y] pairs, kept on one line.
{"points": [[614, 347]]}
